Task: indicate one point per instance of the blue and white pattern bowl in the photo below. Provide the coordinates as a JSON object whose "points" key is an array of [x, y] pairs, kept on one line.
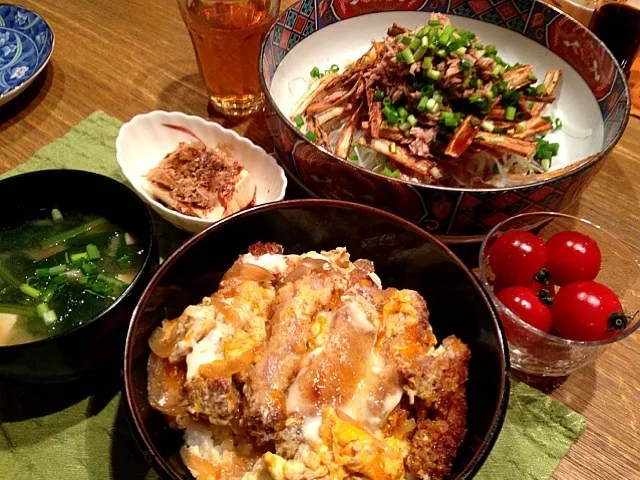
{"points": [[26, 43]]}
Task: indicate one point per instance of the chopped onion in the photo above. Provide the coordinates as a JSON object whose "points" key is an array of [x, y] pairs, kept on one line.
{"points": [[306, 265], [248, 271]]}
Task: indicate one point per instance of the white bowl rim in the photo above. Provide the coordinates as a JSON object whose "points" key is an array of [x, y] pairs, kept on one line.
{"points": [[195, 118]]}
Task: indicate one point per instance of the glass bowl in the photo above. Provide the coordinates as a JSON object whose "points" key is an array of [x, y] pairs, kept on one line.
{"points": [[542, 354]]}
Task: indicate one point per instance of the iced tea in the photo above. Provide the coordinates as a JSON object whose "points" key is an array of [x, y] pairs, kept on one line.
{"points": [[226, 36]]}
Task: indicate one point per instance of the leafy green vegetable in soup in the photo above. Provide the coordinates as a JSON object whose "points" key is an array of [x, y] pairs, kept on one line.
{"points": [[60, 271]]}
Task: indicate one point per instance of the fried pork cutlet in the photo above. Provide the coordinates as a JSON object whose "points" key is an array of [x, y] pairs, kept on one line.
{"points": [[301, 367], [441, 409], [297, 301]]}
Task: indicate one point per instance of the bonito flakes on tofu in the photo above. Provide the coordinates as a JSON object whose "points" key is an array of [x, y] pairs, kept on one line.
{"points": [[302, 367]]}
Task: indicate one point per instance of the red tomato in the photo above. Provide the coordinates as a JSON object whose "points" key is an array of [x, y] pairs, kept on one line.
{"points": [[516, 256], [527, 306], [572, 256], [587, 311]]}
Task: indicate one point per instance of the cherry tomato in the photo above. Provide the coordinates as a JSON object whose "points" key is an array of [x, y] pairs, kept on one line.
{"points": [[516, 256], [587, 311], [527, 306], [572, 256]]}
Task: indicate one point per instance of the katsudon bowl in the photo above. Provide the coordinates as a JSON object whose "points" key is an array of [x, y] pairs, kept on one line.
{"points": [[404, 256], [593, 103]]}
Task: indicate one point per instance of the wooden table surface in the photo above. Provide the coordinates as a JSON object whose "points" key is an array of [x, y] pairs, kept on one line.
{"points": [[131, 56]]}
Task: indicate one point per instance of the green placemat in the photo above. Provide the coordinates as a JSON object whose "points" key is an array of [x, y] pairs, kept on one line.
{"points": [[80, 432]]}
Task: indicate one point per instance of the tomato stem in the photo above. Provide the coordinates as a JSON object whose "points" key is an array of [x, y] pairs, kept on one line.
{"points": [[542, 276], [617, 321], [545, 296]]}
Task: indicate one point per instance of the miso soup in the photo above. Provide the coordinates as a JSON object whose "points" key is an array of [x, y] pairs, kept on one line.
{"points": [[58, 272]]}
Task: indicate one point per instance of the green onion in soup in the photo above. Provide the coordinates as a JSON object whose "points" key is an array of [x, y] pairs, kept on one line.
{"points": [[59, 271]]}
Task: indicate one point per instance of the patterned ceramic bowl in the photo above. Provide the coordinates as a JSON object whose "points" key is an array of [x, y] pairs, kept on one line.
{"points": [[26, 44], [593, 104]]}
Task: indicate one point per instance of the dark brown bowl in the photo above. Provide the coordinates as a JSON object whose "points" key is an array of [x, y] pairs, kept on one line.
{"points": [[405, 257], [99, 340]]}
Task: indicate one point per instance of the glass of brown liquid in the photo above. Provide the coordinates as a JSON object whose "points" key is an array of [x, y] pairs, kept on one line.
{"points": [[226, 36], [617, 24]]}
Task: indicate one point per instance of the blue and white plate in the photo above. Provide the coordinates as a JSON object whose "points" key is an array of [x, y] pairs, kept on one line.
{"points": [[26, 43]]}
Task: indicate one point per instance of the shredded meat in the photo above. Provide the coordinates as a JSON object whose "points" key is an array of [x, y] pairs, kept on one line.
{"points": [[423, 138], [197, 175]]}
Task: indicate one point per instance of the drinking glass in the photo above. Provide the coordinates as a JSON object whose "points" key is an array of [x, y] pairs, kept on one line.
{"points": [[226, 37], [617, 24], [535, 352]]}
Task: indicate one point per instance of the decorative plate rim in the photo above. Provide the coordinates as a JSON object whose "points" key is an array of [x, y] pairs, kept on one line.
{"points": [[27, 81]]}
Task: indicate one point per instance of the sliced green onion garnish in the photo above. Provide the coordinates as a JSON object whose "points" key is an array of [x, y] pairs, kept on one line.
{"points": [[392, 118], [49, 317], [334, 68], [532, 77], [433, 74], [93, 252], [378, 95], [465, 64], [422, 104], [510, 113], [432, 105], [403, 113], [558, 124], [540, 89], [415, 43], [434, 23], [89, 268], [487, 125], [76, 257], [545, 164], [29, 290], [42, 272], [47, 294], [451, 122], [353, 157], [41, 309], [441, 53], [299, 122], [413, 121], [444, 37], [407, 56], [475, 98], [56, 215], [310, 136], [390, 173], [490, 49], [461, 51], [456, 35], [386, 101], [315, 72], [423, 33], [404, 126], [497, 70], [419, 53], [427, 63], [57, 270], [406, 40]]}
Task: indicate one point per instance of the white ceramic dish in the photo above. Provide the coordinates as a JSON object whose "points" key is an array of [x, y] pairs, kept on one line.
{"points": [[582, 134], [144, 141]]}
